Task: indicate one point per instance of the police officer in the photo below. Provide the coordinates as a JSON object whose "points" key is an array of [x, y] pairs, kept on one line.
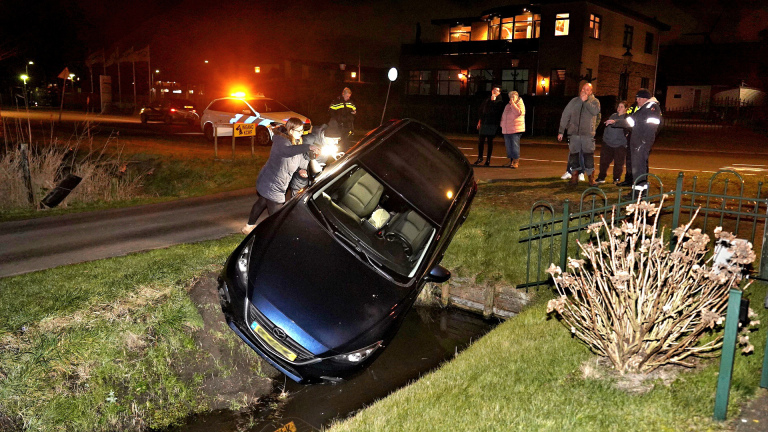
{"points": [[342, 111], [644, 123]]}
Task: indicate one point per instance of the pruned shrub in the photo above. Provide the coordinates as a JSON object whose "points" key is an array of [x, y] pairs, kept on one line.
{"points": [[641, 305]]}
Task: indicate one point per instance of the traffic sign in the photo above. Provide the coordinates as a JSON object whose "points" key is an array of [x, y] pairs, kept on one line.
{"points": [[244, 129]]}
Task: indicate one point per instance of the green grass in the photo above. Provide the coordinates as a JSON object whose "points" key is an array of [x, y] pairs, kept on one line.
{"points": [[97, 346], [525, 375]]}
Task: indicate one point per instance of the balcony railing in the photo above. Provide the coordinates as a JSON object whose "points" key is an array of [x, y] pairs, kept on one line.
{"points": [[472, 47]]}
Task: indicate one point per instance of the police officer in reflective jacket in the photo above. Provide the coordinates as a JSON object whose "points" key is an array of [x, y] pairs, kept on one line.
{"points": [[342, 111], [644, 123]]}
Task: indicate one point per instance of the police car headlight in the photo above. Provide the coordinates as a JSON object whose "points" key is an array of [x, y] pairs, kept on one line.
{"points": [[359, 355]]}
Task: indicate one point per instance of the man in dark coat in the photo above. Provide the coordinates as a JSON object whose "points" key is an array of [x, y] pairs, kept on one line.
{"points": [[488, 125], [645, 125], [342, 110]]}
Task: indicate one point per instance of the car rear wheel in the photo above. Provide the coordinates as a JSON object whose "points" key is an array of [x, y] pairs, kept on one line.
{"points": [[262, 137], [144, 118], [208, 132]]}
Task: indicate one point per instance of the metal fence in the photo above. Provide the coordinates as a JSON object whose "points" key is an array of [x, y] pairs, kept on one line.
{"points": [[550, 236]]}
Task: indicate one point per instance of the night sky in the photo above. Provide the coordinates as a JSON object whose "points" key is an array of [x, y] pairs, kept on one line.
{"points": [[183, 33]]}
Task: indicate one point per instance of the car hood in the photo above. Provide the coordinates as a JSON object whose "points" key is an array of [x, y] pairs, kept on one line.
{"points": [[306, 282]]}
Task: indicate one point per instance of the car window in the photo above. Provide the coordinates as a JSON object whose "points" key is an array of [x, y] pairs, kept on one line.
{"points": [[390, 233], [239, 107], [275, 106], [219, 105]]}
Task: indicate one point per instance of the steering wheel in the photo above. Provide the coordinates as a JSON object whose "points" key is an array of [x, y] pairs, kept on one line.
{"points": [[394, 235]]}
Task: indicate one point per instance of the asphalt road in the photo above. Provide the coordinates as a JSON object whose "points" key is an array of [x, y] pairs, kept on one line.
{"points": [[37, 244]]}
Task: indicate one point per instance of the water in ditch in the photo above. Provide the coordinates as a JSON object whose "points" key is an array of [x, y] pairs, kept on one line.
{"points": [[427, 338]]}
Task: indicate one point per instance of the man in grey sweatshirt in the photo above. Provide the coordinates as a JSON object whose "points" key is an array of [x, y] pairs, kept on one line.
{"points": [[580, 118]]}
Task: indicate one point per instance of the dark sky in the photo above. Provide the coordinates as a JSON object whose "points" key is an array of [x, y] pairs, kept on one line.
{"points": [[183, 33]]}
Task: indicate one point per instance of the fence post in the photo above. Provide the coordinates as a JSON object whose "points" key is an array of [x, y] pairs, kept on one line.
{"points": [[764, 377], [215, 141], [764, 254], [564, 234], [676, 210], [727, 355]]}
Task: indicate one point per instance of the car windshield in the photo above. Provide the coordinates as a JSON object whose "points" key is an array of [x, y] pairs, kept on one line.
{"points": [[375, 221], [267, 105]]}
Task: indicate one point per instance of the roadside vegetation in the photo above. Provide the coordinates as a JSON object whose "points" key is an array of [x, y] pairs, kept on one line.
{"points": [[119, 171]]}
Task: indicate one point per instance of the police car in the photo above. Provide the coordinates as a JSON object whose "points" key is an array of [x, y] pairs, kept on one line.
{"points": [[222, 114]]}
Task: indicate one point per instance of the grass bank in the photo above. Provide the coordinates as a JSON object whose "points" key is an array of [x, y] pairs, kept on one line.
{"points": [[109, 345]]}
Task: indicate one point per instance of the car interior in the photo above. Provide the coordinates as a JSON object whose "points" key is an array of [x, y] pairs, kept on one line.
{"points": [[362, 207]]}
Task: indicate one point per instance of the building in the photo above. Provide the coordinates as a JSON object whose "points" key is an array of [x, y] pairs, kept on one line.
{"points": [[543, 49]]}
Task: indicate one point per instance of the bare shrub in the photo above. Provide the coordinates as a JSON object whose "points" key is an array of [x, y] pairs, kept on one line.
{"points": [[640, 305], [104, 172]]}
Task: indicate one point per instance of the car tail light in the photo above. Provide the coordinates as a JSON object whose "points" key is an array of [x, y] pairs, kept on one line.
{"points": [[173, 109], [194, 111]]}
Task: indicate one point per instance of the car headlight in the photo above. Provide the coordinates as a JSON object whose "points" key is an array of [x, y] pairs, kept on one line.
{"points": [[244, 261], [359, 355], [329, 150]]}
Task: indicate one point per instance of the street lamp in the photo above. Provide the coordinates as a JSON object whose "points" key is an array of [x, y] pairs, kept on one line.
{"points": [[27, 66], [24, 78], [392, 75]]}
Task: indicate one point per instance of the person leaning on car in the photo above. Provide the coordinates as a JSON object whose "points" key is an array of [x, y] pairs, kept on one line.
{"points": [[285, 158]]}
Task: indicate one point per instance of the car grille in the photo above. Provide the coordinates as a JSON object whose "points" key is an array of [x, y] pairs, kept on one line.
{"points": [[302, 354]]}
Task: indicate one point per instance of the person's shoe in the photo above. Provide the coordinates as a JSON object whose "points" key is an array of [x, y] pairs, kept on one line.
{"points": [[487, 163], [478, 161], [566, 176], [508, 164], [592, 181], [581, 177], [515, 163], [575, 177], [247, 229], [600, 181]]}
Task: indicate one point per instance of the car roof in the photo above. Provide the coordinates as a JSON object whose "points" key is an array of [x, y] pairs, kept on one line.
{"points": [[420, 164]]}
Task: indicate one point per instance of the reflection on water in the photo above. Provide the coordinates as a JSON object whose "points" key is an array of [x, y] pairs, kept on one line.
{"points": [[427, 338]]}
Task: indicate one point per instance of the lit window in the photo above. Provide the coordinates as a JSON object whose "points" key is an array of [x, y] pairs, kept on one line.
{"points": [[480, 81], [562, 22], [448, 82], [418, 82], [595, 26], [525, 26], [460, 33]]}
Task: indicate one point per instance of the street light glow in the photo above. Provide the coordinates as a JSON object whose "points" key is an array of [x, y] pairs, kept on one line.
{"points": [[24, 78], [31, 62], [157, 70]]}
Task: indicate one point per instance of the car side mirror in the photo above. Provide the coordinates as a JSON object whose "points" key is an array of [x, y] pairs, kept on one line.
{"points": [[438, 274]]}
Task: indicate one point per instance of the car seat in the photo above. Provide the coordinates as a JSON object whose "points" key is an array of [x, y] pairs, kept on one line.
{"points": [[410, 229], [359, 195]]}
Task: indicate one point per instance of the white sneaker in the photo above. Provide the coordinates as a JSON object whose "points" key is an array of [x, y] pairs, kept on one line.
{"points": [[247, 229], [566, 176], [581, 177]]}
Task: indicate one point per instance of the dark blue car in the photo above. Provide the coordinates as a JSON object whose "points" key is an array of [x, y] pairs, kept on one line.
{"points": [[319, 288]]}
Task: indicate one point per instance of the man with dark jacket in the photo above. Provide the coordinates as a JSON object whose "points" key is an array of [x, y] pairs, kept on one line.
{"points": [[645, 125], [488, 125], [581, 117]]}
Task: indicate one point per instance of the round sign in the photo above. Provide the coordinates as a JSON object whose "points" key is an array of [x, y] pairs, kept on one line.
{"points": [[392, 74]]}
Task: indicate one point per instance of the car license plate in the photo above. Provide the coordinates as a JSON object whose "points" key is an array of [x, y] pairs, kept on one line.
{"points": [[277, 346]]}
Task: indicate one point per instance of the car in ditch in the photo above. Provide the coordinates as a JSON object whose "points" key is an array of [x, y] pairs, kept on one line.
{"points": [[221, 114], [320, 287]]}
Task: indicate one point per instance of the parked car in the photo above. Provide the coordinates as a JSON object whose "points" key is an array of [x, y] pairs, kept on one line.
{"points": [[320, 288], [265, 112], [170, 111]]}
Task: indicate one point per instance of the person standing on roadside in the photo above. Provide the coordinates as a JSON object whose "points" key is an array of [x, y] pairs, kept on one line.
{"points": [[285, 158], [645, 125], [342, 111], [614, 146], [512, 127], [581, 117], [488, 125]]}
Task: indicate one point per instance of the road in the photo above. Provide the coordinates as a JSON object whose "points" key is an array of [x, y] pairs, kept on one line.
{"points": [[37, 244]]}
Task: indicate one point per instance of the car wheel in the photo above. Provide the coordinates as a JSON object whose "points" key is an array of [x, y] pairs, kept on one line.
{"points": [[262, 137], [143, 119], [208, 132], [168, 119]]}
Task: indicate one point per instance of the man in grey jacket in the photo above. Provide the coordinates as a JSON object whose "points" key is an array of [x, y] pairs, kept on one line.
{"points": [[581, 117]]}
